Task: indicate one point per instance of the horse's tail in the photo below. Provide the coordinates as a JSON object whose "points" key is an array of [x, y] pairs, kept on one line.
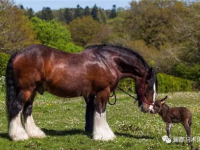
{"points": [[11, 90]]}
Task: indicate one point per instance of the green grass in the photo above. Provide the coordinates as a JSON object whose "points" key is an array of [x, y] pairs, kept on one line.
{"points": [[63, 122]]}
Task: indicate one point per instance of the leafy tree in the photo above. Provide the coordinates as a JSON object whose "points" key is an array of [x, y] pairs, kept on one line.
{"points": [[21, 7], [68, 15], [15, 28], [53, 34], [86, 11], [84, 30], [95, 12], [146, 20], [59, 15], [29, 13], [78, 12], [46, 14], [113, 13], [103, 17]]}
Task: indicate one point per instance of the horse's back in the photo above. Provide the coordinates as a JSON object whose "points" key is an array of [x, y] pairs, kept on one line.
{"points": [[62, 74]]}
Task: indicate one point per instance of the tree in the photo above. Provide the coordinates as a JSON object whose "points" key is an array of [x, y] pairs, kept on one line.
{"points": [[68, 15], [84, 30], [59, 15], [15, 28], [78, 12], [21, 7], [147, 21], [46, 14], [95, 12], [103, 17], [53, 34], [113, 13], [86, 11], [29, 13]]}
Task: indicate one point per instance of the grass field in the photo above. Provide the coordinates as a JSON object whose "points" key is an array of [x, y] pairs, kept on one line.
{"points": [[63, 122]]}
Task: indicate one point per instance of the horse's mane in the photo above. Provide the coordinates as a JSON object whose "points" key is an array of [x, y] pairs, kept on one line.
{"points": [[119, 49]]}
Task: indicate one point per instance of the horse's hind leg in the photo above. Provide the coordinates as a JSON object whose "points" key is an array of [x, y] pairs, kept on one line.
{"points": [[188, 130], [101, 129], [16, 131], [30, 127]]}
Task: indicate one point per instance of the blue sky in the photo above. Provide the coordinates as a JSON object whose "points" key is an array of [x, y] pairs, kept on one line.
{"points": [[56, 4]]}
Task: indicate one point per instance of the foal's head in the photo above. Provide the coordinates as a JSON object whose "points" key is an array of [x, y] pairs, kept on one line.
{"points": [[146, 90], [158, 105]]}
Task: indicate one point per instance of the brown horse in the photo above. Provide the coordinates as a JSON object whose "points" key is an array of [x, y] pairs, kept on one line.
{"points": [[92, 74]]}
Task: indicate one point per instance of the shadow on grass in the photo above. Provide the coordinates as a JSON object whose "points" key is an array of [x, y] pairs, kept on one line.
{"points": [[51, 132], [133, 136], [4, 135]]}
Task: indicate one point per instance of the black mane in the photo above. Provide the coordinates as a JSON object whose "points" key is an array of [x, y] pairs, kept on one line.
{"points": [[119, 49]]}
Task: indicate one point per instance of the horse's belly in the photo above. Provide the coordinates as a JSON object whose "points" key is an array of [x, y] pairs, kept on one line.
{"points": [[68, 89]]}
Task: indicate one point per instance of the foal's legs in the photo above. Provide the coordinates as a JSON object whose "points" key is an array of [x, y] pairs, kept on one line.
{"points": [[16, 131], [168, 129], [187, 127], [89, 116], [101, 129], [30, 127]]}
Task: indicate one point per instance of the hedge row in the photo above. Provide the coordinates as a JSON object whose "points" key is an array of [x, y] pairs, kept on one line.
{"points": [[166, 83]]}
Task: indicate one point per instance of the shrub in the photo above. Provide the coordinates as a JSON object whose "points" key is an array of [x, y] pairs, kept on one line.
{"points": [[166, 83], [3, 63], [187, 72], [2, 83], [53, 34]]}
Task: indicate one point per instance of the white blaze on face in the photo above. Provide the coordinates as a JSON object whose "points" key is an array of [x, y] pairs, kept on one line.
{"points": [[154, 97], [154, 92]]}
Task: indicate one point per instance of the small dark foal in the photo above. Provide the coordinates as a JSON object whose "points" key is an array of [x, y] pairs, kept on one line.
{"points": [[174, 115]]}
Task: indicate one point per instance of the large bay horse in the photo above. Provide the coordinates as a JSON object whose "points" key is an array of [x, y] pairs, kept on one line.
{"points": [[93, 74]]}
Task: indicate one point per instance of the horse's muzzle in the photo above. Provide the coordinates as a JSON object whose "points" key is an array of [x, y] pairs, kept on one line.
{"points": [[143, 109]]}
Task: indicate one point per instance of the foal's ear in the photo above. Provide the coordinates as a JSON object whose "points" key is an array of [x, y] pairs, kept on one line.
{"points": [[163, 100]]}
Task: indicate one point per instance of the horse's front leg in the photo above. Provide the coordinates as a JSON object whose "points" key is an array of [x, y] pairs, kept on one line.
{"points": [[101, 129], [89, 115]]}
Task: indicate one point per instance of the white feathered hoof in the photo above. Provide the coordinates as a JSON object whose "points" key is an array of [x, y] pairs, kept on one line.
{"points": [[32, 130], [103, 135], [36, 133], [18, 135], [101, 129], [16, 131]]}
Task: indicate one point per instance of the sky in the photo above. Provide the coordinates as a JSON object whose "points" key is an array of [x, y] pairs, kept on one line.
{"points": [[37, 5]]}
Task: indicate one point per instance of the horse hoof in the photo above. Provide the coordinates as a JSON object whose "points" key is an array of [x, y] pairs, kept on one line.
{"points": [[36, 133], [19, 136], [104, 136]]}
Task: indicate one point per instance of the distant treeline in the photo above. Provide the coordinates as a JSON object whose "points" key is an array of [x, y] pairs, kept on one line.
{"points": [[69, 14]]}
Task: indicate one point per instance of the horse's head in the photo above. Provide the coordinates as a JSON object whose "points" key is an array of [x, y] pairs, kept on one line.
{"points": [[146, 90]]}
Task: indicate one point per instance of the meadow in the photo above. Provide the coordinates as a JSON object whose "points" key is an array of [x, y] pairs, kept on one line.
{"points": [[63, 122]]}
